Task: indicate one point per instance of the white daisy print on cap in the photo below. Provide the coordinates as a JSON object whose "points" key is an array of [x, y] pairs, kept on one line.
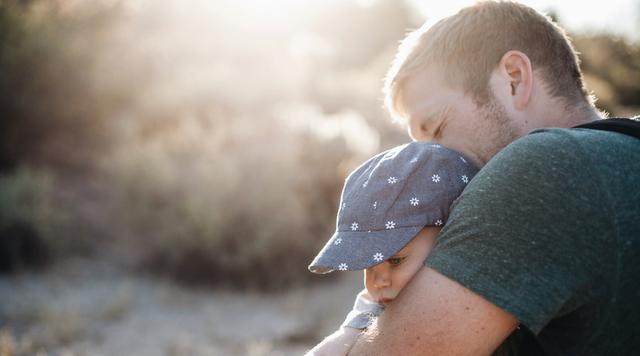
{"points": [[392, 195]]}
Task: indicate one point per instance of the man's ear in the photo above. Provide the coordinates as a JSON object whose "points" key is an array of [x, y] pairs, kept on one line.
{"points": [[517, 77]]}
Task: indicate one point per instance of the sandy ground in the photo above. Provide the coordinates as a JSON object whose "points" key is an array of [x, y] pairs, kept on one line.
{"points": [[83, 307]]}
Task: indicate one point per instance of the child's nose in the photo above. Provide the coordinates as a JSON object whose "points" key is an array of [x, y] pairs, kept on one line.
{"points": [[381, 279]]}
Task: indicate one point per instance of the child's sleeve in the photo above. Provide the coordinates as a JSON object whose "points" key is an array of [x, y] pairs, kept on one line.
{"points": [[363, 312], [337, 344], [359, 318]]}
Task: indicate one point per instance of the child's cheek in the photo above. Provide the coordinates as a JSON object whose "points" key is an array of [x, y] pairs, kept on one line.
{"points": [[403, 275]]}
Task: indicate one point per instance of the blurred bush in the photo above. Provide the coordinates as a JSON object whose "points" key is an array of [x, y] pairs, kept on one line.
{"points": [[29, 220], [52, 112], [220, 203], [233, 178], [612, 71], [52, 125]]}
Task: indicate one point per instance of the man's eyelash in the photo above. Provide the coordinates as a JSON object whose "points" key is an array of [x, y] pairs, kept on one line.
{"points": [[436, 133], [441, 122]]}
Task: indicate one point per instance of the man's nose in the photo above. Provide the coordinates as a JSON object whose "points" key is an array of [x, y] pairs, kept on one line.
{"points": [[418, 131]]}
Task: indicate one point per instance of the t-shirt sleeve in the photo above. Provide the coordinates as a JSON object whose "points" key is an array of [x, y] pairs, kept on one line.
{"points": [[522, 233]]}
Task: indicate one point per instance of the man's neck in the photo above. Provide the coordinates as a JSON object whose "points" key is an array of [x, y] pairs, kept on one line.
{"points": [[569, 116], [582, 115]]}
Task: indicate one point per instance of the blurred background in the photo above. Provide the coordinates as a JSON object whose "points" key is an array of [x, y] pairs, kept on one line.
{"points": [[169, 168]]}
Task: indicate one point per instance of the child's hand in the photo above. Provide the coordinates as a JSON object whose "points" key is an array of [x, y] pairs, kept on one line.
{"points": [[337, 344], [364, 294], [365, 309]]}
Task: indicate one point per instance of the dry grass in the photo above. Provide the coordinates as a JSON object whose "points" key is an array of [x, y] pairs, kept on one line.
{"points": [[114, 313], [12, 345], [120, 305]]}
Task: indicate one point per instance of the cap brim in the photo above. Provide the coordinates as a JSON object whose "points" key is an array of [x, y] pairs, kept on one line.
{"points": [[357, 250]]}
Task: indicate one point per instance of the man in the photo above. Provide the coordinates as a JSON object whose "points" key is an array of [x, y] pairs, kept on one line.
{"points": [[546, 237]]}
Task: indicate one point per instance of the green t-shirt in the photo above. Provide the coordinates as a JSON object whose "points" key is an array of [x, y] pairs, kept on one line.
{"points": [[549, 231]]}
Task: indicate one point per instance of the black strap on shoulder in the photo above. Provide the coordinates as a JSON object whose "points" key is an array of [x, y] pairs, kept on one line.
{"points": [[629, 127]]}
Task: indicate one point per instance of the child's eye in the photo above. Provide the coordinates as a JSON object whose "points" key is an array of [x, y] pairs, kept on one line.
{"points": [[395, 260]]}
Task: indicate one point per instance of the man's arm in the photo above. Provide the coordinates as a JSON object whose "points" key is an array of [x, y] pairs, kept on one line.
{"points": [[435, 315]]}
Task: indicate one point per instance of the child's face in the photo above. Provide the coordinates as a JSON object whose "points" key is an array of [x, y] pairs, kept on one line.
{"points": [[385, 280]]}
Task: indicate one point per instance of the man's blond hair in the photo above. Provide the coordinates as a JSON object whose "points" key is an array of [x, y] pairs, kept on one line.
{"points": [[468, 46]]}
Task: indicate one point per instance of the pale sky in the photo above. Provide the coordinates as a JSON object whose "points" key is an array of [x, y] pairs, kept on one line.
{"points": [[615, 16]]}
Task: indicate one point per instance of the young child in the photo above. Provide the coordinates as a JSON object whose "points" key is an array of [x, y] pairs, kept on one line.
{"points": [[391, 209]]}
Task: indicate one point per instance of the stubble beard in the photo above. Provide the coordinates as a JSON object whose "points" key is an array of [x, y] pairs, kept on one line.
{"points": [[501, 129]]}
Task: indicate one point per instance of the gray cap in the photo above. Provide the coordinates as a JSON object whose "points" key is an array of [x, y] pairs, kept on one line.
{"points": [[387, 201]]}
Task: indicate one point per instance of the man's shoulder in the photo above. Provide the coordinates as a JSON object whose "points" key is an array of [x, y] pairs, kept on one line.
{"points": [[541, 150], [567, 146], [553, 166], [537, 232], [552, 138]]}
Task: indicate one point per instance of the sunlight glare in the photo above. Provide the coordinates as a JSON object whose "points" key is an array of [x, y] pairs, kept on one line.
{"points": [[616, 16]]}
